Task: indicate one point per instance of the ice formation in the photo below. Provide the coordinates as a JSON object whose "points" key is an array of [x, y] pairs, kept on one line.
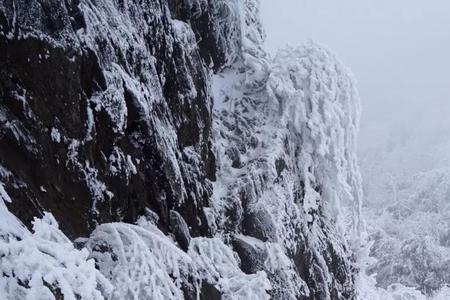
{"points": [[44, 263], [286, 153], [196, 165]]}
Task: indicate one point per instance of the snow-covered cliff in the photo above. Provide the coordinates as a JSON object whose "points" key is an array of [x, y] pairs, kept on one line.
{"points": [[179, 160]]}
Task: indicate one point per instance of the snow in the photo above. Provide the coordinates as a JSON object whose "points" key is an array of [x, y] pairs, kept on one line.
{"points": [[140, 261], [119, 164], [289, 285], [368, 291], [143, 263], [288, 182], [112, 100], [39, 264], [137, 262], [407, 209], [3, 195], [284, 127], [55, 135], [219, 265], [89, 174], [318, 96]]}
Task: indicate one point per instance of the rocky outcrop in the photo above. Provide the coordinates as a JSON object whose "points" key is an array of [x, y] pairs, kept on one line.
{"points": [[288, 190], [236, 170], [105, 112]]}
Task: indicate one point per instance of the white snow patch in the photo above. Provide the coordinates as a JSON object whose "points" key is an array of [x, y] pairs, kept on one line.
{"points": [[36, 265], [55, 135]]}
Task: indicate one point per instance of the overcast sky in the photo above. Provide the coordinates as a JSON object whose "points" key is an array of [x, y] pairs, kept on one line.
{"points": [[399, 51]]}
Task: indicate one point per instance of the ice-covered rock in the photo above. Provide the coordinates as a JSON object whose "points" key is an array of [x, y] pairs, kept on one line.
{"points": [[285, 140], [100, 99], [196, 165]]}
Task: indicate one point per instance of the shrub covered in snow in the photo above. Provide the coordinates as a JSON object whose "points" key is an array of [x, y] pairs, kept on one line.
{"points": [[43, 264], [219, 265], [143, 263]]}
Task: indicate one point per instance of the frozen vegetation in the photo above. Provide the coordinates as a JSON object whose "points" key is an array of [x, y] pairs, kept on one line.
{"points": [[406, 203], [280, 216], [40, 264]]}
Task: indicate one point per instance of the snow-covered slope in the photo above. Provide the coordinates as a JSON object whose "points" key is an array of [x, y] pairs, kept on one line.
{"points": [[181, 160]]}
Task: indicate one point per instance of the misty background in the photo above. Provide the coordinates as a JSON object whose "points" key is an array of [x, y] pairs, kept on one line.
{"points": [[399, 52]]}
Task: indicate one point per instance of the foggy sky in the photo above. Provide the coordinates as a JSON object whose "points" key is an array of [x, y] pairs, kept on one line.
{"points": [[399, 51]]}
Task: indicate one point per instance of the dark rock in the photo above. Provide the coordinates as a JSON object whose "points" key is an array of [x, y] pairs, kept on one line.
{"points": [[180, 229], [235, 156], [280, 166], [52, 82], [252, 257], [257, 223], [209, 292]]}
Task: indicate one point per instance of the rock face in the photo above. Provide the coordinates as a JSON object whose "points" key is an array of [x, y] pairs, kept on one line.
{"points": [[105, 111], [168, 114]]}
